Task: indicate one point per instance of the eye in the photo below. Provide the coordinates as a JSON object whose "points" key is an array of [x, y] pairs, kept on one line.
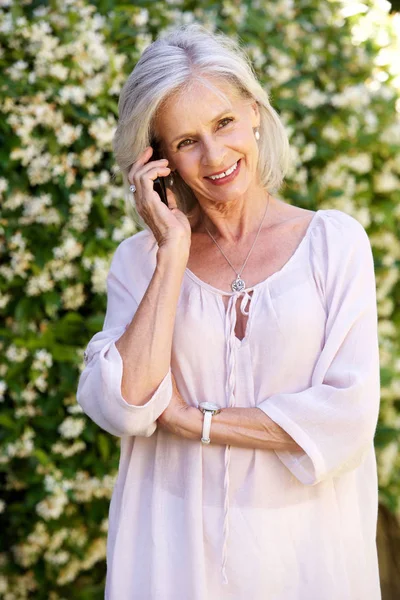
{"points": [[183, 143], [229, 119]]}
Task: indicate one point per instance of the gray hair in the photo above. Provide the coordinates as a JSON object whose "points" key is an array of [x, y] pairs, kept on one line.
{"points": [[170, 64]]}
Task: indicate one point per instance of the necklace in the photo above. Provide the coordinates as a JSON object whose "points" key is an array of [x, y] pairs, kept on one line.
{"points": [[238, 283]]}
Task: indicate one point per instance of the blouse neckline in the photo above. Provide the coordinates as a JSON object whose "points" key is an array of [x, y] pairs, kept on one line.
{"points": [[291, 259]]}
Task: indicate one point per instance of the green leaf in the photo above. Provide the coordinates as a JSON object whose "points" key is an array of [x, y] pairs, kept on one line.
{"points": [[69, 328], [41, 456], [7, 421], [104, 446], [384, 435]]}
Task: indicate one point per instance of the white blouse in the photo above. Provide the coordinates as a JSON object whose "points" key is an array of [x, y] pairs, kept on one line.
{"points": [[189, 521]]}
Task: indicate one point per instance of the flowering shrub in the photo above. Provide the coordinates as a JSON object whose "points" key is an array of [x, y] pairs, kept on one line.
{"points": [[331, 73]]}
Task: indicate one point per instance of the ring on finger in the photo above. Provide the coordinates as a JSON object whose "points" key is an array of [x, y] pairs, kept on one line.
{"points": [[132, 188]]}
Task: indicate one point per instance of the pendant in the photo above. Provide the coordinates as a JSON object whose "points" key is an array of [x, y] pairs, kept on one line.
{"points": [[238, 285]]}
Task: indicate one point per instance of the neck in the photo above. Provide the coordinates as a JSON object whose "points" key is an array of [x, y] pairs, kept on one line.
{"points": [[235, 224]]}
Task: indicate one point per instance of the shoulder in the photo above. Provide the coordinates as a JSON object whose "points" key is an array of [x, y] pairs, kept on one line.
{"points": [[336, 227], [138, 249], [141, 244], [134, 261], [340, 247]]}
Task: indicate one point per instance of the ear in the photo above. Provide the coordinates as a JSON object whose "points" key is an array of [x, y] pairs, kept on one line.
{"points": [[166, 155], [255, 117]]}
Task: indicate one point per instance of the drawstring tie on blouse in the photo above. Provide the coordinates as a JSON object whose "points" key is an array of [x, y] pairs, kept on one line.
{"points": [[230, 324]]}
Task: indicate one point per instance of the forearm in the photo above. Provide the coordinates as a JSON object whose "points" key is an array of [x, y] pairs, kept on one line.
{"points": [[145, 347], [242, 427]]}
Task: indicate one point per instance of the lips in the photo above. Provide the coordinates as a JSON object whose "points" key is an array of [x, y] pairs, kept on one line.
{"points": [[226, 179], [223, 170]]}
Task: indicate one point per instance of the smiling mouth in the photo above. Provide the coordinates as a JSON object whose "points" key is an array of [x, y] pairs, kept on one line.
{"points": [[224, 173]]}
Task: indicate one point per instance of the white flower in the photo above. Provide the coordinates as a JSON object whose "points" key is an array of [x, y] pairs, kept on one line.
{"points": [[100, 234], [280, 75], [387, 328], [59, 71], [331, 134], [81, 204], [21, 262], [391, 135], [52, 507], [386, 182], [68, 450], [15, 354], [68, 134], [23, 446], [127, 228], [17, 70], [90, 157], [95, 553], [39, 283], [42, 360], [71, 427], [73, 296], [102, 130], [308, 152], [71, 93], [3, 387], [100, 268], [141, 18], [38, 169], [57, 558], [314, 98], [3, 185], [16, 200], [361, 163], [94, 86], [41, 383], [4, 299], [353, 96], [69, 249], [27, 411]]}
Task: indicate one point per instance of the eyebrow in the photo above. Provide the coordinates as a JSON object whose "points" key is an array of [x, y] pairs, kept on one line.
{"points": [[184, 135]]}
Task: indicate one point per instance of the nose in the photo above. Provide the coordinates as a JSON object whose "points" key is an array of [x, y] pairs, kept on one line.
{"points": [[213, 153]]}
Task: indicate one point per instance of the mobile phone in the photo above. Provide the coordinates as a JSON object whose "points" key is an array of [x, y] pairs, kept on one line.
{"points": [[159, 182]]}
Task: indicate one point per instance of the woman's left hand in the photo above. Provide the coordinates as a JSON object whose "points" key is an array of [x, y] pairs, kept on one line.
{"points": [[175, 412]]}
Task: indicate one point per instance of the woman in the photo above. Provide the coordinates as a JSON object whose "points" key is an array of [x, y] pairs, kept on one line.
{"points": [[264, 310]]}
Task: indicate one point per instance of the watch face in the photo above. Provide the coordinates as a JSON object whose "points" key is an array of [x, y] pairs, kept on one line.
{"points": [[208, 406]]}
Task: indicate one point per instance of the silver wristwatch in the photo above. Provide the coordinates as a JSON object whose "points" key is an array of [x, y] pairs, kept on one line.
{"points": [[208, 409]]}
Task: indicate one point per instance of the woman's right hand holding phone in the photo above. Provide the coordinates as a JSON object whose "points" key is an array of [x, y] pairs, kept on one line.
{"points": [[170, 226]]}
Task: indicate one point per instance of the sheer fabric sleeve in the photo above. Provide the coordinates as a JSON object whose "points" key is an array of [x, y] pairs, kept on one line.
{"points": [[99, 387], [334, 420]]}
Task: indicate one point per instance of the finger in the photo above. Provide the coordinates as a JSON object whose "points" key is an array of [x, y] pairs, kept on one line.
{"points": [[139, 162], [146, 181], [139, 177], [171, 200], [157, 164]]}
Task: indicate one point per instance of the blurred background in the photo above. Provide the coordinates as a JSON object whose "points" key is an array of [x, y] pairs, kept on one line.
{"points": [[332, 69]]}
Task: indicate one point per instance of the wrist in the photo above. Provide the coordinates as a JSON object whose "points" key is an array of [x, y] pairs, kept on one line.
{"points": [[190, 423], [177, 249]]}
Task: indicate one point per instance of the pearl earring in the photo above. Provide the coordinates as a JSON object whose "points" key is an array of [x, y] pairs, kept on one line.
{"points": [[170, 181], [257, 135]]}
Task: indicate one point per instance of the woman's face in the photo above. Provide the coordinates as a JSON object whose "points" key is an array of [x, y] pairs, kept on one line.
{"points": [[203, 135]]}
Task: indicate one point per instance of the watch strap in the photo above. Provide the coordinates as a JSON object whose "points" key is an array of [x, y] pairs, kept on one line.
{"points": [[205, 438]]}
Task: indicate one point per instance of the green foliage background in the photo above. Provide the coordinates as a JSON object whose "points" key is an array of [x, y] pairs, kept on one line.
{"points": [[332, 75]]}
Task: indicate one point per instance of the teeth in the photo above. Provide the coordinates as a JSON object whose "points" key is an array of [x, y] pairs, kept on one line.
{"points": [[225, 173]]}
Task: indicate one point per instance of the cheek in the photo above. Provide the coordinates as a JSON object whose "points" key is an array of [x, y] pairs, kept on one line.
{"points": [[245, 139], [187, 164]]}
